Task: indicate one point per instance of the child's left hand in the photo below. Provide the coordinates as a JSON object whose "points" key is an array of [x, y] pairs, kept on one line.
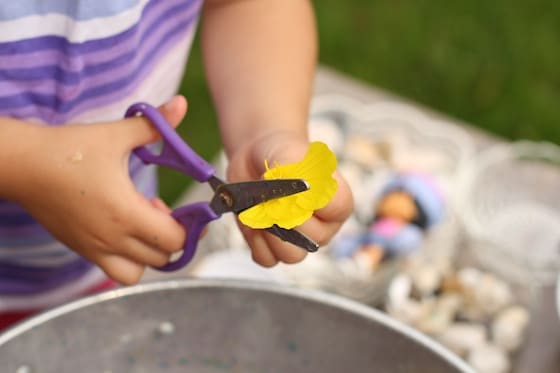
{"points": [[282, 147]]}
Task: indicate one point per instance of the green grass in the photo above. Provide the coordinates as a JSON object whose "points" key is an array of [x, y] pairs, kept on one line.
{"points": [[495, 64]]}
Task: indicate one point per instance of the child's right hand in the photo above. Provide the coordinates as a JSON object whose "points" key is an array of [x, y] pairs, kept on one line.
{"points": [[74, 180]]}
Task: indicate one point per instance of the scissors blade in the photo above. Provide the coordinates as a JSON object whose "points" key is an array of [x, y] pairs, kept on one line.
{"points": [[236, 197], [295, 237]]}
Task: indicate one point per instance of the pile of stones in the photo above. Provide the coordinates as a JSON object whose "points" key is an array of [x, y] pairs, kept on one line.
{"points": [[472, 312]]}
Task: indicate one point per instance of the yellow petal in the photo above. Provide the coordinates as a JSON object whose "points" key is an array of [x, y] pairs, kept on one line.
{"points": [[288, 212]]}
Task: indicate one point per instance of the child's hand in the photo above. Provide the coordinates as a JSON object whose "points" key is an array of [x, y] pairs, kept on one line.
{"points": [[75, 182], [247, 163]]}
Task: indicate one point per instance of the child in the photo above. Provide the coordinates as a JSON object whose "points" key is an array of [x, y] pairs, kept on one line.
{"points": [[73, 209]]}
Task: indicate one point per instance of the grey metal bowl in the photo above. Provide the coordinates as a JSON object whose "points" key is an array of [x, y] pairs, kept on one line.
{"points": [[218, 326]]}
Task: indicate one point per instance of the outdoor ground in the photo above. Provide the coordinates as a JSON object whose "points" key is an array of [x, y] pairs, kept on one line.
{"points": [[494, 64]]}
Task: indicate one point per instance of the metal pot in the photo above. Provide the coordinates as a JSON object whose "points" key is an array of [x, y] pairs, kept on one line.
{"points": [[218, 326]]}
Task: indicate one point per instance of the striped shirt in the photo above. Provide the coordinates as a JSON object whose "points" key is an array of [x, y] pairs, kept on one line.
{"points": [[79, 61]]}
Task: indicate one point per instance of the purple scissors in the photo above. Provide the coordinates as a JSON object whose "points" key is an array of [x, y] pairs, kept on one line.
{"points": [[233, 197]]}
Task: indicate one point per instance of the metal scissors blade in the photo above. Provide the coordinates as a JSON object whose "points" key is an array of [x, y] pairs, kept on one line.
{"points": [[294, 237], [237, 197]]}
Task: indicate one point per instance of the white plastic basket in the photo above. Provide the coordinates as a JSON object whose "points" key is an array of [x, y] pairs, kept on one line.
{"points": [[510, 204]]}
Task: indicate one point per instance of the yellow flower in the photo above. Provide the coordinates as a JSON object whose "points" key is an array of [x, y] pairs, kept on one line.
{"points": [[288, 212]]}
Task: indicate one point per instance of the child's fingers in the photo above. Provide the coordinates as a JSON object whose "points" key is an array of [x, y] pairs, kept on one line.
{"points": [[316, 229], [139, 252], [267, 249], [172, 235], [174, 110], [121, 269], [260, 249], [158, 230], [139, 131], [319, 230], [340, 207], [285, 252]]}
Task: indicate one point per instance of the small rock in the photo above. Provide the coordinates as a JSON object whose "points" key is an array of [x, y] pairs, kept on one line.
{"points": [[469, 277], [471, 312], [508, 328], [451, 302], [426, 279], [487, 358], [362, 151], [484, 294], [436, 320], [441, 314], [399, 291], [451, 284], [492, 294], [409, 311], [166, 328], [399, 304], [461, 337]]}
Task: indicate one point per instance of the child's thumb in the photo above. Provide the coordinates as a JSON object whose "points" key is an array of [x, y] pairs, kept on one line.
{"points": [[140, 131]]}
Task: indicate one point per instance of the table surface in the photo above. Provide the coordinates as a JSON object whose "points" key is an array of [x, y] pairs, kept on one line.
{"points": [[542, 351]]}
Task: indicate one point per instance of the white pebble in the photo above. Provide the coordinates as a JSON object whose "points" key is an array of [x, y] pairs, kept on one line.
{"points": [[24, 369], [469, 277], [409, 312], [363, 151], [450, 302], [462, 337], [492, 294], [166, 328], [399, 290], [487, 358], [508, 329], [436, 320], [400, 305], [426, 279]]}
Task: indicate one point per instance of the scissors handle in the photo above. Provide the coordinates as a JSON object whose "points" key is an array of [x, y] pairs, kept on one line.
{"points": [[176, 153], [194, 218]]}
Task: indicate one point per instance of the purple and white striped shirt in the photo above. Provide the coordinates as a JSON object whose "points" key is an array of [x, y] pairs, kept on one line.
{"points": [[79, 61]]}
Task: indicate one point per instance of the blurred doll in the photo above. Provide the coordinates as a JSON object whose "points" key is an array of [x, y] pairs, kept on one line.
{"points": [[409, 205]]}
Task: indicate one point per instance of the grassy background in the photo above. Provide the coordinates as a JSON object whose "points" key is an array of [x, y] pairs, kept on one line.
{"points": [[495, 64]]}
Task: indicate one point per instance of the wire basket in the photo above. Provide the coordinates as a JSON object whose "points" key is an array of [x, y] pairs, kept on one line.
{"points": [[510, 205]]}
